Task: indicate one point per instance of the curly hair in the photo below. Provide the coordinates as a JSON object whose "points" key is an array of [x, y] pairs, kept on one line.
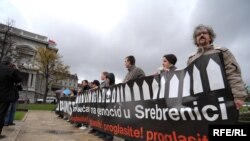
{"points": [[209, 30]]}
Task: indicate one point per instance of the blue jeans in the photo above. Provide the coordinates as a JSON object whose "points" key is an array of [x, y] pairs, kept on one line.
{"points": [[10, 115], [3, 110]]}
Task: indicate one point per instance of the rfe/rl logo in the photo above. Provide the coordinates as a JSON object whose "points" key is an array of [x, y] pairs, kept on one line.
{"points": [[229, 132]]}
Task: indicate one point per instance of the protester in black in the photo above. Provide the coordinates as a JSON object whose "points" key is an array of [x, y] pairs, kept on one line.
{"points": [[8, 93]]}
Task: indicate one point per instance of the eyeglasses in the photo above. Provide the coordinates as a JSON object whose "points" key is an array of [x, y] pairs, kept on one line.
{"points": [[199, 33]]}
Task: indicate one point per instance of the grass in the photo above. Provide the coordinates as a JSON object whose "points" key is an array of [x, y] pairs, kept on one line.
{"points": [[19, 115], [48, 107], [244, 109], [244, 115]]}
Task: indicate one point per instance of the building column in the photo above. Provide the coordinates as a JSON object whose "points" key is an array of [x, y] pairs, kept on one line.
{"points": [[29, 81], [34, 81]]}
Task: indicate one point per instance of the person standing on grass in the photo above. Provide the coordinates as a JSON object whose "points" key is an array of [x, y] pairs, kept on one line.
{"points": [[9, 76], [9, 119]]}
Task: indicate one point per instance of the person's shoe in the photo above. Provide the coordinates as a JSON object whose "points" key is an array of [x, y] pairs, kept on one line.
{"points": [[97, 134], [109, 137], [12, 123], [102, 136], [78, 125], [82, 127], [92, 131], [2, 136]]}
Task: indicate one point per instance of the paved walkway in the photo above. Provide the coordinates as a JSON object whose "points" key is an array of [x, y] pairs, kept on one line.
{"points": [[46, 126]]}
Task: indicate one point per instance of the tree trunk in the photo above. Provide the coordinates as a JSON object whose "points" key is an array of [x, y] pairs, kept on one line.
{"points": [[46, 88]]}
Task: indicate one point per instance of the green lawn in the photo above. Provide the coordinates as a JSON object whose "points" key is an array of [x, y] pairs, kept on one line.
{"points": [[245, 109], [19, 115], [47, 107], [244, 115]]}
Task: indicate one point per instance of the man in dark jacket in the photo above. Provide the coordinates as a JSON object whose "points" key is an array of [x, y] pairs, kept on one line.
{"points": [[8, 93]]}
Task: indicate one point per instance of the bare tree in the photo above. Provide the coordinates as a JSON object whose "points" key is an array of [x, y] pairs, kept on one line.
{"points": [[51, 67], [7, 43]]}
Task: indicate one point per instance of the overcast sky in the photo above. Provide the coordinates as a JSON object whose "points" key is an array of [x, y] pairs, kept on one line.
{"points": [[96, 35]]}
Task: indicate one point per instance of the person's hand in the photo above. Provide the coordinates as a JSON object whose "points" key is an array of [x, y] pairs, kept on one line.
{"points": [[13, 66], [239, 103]]}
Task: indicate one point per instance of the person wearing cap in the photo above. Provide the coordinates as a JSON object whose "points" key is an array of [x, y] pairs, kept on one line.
{"points": [[168, 63], [9, 76], [95, 84]]}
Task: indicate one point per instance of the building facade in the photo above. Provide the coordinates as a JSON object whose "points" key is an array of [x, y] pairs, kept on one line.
{"points": [[26, 45], [70, 82]]}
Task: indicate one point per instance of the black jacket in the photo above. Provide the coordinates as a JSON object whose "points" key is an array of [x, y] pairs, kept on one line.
{"points": [[8, 78]]}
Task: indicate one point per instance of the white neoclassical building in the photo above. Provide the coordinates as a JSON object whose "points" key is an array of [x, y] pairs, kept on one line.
{"points": [[26, 44]]}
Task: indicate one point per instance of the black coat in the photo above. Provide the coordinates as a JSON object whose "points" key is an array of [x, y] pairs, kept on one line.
{"points": [[8, 78]]}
